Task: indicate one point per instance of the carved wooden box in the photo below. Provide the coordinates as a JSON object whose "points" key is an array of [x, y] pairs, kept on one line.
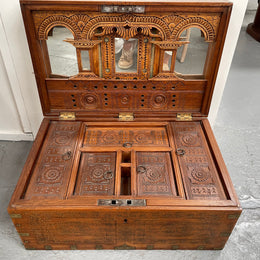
{"points": [[125, 157]]}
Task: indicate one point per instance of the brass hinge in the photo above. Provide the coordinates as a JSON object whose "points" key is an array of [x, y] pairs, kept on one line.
{"points": [[67, 116], [184, 117], [126, 116]]}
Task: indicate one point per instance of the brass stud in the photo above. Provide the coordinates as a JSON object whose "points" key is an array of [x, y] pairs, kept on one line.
{"points": [[15, 215], [200, 247], [107, 70], [106, 39], [233, 216], [225, 234], [24, 234], [48, 247]]}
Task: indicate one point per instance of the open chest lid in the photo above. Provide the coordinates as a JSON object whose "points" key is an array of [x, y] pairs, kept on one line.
{"points": [[100, 60]]}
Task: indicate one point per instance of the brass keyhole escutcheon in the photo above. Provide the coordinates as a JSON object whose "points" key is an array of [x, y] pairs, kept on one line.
{"points": [[127, 145], [141, 169], [108, 175], [180, 152], [67, 156]]}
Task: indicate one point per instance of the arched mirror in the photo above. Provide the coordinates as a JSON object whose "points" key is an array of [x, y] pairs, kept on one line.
{"points": [[190, 57], [62, 55]]}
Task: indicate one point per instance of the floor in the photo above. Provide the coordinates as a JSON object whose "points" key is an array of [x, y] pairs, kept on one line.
{"points": [[237, 130]]}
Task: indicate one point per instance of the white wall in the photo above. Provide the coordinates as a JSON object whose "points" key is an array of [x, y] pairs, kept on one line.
{"points": [[16, 59], [20, 111], [10, 126], [236, 19]]}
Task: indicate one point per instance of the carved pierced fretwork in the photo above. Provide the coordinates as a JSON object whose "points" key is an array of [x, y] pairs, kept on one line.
{"points": [[84, 26], [86, 44], [167, 75], [199, 173], [205, 26], [95, 28], [169, 45], [127, 26]]}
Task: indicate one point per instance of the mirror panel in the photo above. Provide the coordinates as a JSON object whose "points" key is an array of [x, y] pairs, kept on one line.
{"points": [[85, 60], [62, 55], [167, 61], [126, 55], [190, 58]]}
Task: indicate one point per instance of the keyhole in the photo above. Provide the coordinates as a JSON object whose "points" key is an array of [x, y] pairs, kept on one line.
{"points": [[125, 220]]}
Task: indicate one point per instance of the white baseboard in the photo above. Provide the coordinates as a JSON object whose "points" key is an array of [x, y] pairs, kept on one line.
{"points": [[16, 136]]}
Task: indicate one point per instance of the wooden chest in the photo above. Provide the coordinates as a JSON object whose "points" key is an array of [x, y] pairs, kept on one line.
{"points": [[125, 157]]}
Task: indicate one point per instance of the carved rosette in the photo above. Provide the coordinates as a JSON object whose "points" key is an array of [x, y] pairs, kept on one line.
{"points": [[89, 101], [159, 101], [200, 175]]}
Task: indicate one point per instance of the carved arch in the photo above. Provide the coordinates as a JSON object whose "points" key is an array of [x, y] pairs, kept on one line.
{"points": [[132, 22], [197, 22], [53, 21]]}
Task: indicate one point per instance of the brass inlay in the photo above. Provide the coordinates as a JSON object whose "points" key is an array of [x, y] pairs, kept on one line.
{"points": [[125, 247], [24, 234], [15, 215]]}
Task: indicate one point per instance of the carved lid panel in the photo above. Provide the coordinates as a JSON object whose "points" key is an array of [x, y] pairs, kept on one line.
{"points": [[106, 43]]}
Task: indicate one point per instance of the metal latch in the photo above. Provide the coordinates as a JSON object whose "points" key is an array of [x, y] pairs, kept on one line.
{"points": [[123, 9], [67, 116], [126, 116], [122, 202], [184, 117]]}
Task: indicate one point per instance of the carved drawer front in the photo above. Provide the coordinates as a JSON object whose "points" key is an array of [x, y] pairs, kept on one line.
{"points": [[51, 173], [155, 174], [126, 137], [96, 174], [201, 178]]}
